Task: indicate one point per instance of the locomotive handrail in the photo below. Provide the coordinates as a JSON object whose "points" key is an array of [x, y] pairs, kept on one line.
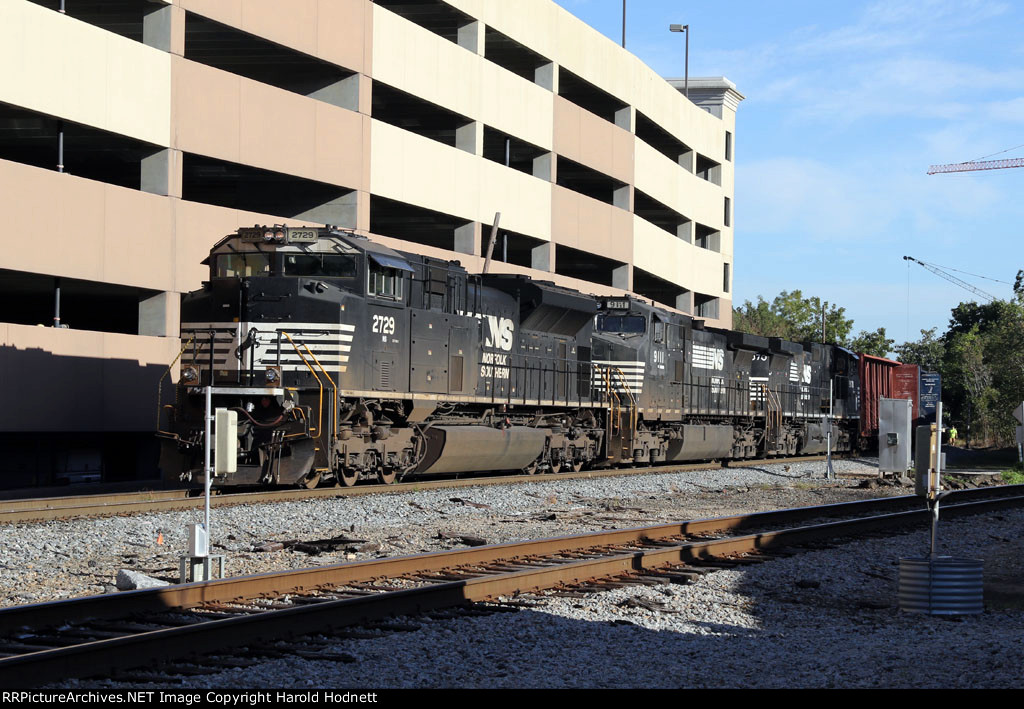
{"points": [[320, 407], [160, 384], [334, 390]]}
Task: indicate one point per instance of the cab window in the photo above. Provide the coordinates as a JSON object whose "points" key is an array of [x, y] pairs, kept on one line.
{"points": [[630, 324], [242, 265], [385, 282], [320, 265]]}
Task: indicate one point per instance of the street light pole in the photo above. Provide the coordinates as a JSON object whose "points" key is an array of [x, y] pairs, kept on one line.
{"points": [[623, 24], [686, 75]]}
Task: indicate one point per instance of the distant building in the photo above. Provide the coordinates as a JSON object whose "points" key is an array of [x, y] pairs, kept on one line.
{"points": [[413, 121]]}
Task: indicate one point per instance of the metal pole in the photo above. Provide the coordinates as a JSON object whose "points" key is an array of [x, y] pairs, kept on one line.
{"points": [[208, 468], [830, 471], [60, 147], [686, 69], [623, 24], [938, 478], [56, 303]]}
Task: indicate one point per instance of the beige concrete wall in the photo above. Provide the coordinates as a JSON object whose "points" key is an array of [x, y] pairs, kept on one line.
{"points": [[584, 223], [420, 171], [661, 178], [336, 31], [668, 257], [227, 116], [417, 61], [583, 137], [65, 68], [77, 228], [75, 380]]}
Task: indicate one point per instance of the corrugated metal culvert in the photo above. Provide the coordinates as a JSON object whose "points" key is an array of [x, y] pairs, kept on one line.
{"points": [[941, 585]]}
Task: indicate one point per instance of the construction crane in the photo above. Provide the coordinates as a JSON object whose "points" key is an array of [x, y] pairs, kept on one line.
{"points": [[951, 278], [972, 165]]}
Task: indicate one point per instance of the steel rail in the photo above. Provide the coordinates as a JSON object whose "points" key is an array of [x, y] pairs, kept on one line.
{"points": [[109, 655], [46, 509]]}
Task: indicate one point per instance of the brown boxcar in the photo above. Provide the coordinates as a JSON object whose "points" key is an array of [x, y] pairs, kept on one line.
{"points": [[876, 381]]}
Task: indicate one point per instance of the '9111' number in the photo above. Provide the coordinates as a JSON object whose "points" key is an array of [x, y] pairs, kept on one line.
{"points": [[384, 324]]}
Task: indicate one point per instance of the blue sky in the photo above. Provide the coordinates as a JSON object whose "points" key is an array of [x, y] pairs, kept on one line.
{"points": [[848, 103]]}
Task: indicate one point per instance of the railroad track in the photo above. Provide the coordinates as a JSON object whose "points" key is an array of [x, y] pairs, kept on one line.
{"points": [[79, 506], [106, 635]]}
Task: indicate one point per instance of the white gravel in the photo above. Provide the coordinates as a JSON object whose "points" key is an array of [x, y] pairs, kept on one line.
{"points": [[63, 559]]}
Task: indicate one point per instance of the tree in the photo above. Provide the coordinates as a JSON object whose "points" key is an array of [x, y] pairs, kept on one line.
{"points": [[928, 352], [793, 317], [873, 343]]}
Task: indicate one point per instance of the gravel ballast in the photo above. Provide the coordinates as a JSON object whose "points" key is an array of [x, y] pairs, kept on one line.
{"points": [[826, 618]]}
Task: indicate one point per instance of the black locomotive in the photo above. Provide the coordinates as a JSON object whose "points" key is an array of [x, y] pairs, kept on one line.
{"points": [[346, 361]]}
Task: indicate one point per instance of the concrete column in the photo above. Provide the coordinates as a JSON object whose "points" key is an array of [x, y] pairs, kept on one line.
{"points": [[467, 238], [623, 198], [470, 137], [625, 118], [686, 160], [342, 211], [160, 315], [344, 93], [622, 277], [685, 231], [542, 257], [544, 167], [164, 28], [471, 37], [161, 173], [547, 77], [684, 302]]}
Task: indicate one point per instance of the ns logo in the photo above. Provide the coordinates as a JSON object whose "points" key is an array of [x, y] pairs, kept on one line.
{"points": [[499, 333]]}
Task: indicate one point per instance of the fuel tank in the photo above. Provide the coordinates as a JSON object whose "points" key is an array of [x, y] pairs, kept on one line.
{"points": [[464, 449], [701, 443]]}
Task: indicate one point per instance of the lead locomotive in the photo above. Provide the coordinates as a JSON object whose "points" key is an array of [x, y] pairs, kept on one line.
{"points": [[346, 360]]}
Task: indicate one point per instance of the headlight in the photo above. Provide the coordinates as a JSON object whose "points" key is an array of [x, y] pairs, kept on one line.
{"points": [[273, 376], [189, 375]]}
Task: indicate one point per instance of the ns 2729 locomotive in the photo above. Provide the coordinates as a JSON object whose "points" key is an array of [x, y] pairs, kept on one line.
{"points": [[347, 361]]}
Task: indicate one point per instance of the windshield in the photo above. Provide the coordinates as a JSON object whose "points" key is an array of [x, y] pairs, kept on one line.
{"points": [[632, 324], [242, 265], [322, 265]]}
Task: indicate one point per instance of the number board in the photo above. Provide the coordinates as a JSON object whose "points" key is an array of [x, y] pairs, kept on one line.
{"points": [[616, 305], [250, 234], [302, 236]]}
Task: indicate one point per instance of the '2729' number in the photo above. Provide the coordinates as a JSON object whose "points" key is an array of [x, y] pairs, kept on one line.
{"points": [[384, 324]]}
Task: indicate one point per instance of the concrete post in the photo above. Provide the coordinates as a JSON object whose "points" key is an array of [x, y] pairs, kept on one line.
{"points": [[546, 76], [160, 315], [544, 167], [343, 211], [343, 93], [542, 258], [470, 137], [625, 118], [471, 37], [160, 173], [622, 277], [467, 238]]}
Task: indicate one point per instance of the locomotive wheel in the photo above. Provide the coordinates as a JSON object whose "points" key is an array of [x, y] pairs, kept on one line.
{"points": [[386, 476], [347, 477], [576, 466], [311, 482], [531, 469]]}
